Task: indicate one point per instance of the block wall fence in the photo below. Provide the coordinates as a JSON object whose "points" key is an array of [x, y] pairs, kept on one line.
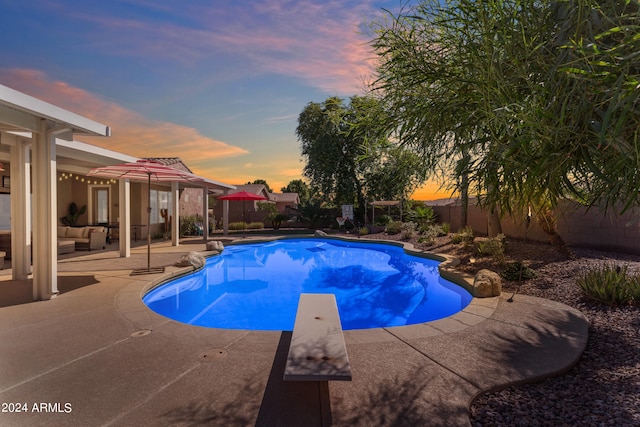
{"points": [[578, 226]]}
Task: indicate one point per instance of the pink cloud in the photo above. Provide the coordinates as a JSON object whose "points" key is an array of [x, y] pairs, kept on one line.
{"points": [[313, 42], [132, 133]]}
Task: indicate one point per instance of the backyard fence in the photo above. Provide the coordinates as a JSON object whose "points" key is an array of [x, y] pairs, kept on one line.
{"points": [[577, 225]]}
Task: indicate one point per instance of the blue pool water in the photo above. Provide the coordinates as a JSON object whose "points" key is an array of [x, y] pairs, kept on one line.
{"points": [[257, 286]]}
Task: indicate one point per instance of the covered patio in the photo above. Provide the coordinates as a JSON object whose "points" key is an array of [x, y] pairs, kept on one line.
{"points": [[38, 147]]}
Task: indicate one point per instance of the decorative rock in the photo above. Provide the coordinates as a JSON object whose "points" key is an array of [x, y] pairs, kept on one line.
{"points": [[215, 245], [195, 259], [320, 233], [487, 284]]}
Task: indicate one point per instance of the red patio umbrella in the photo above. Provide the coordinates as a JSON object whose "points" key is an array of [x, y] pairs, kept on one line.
{"points": [[146, 170], [242, 195]]}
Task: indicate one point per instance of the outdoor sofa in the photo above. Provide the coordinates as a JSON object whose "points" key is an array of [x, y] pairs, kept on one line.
{"points": [[86, 238]]}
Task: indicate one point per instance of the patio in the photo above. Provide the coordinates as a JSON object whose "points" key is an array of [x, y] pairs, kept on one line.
{"points": [[95, 355]]}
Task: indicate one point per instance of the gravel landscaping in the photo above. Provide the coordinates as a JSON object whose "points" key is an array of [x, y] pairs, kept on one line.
{"points": [[603, 389]]}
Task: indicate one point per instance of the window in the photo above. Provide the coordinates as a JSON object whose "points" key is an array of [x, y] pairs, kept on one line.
{"points": [[160, 200]]}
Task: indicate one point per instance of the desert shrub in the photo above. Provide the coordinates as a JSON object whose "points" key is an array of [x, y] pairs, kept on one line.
{"points": [[517, 271], [429, 235], [237, 225], [394, 227], [383, 220], [493, 247], [408, 229], [464, 236], [364, 231], [255, 226], [611, 284], [446, 228]]}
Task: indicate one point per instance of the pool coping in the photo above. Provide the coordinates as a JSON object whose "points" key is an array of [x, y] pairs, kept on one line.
{"points": [[118, 363], [477, 311]]}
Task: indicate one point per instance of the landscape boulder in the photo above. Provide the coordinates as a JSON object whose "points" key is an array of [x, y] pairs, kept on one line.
{"points": [[215, 245], [487, 284], [195, 259], [320, 233]]}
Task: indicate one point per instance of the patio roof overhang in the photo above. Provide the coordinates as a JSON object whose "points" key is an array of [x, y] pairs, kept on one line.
{"points": [[21, 112], [34, 126]]}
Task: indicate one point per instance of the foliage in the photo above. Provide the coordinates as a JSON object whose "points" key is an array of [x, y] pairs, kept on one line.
{"points": [[315, 213], [383, 220], [331, 156], [516, 271], [429, 235], [494, 247], [611, 284], [269, 208], [419, 213], [239, 225], [408, 230], [263, 182], [446, 228], [278, 220], [348, 155], [74, 213], [394, 227], [526, 102], [464, 236], [189, 225], [363, 231], [300, 187]]}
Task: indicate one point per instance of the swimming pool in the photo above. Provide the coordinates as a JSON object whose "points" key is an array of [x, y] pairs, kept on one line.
{"points": [[257, 286]]}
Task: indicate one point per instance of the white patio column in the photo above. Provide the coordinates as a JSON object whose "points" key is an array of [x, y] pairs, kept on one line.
{"points": [[175, 221], [124, 220], [225, 217], [20, 210], [45, 247], [205, 213]]}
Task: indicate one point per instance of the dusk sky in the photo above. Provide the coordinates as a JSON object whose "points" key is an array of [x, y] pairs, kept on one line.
{"points": [[219, 84]]}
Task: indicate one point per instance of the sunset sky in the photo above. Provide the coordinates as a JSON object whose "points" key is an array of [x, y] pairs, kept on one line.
{"points": [[219, 84]]}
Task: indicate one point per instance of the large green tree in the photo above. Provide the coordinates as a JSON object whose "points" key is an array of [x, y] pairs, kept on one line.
{"points": [[524, 102], [300, 187], [349, 156], [261, 181]]}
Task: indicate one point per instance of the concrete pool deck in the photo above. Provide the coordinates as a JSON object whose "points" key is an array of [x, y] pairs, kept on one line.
{"points": [[96, 356]]}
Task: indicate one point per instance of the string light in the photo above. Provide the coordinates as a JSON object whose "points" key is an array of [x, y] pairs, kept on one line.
{"points": [[63, 176]]}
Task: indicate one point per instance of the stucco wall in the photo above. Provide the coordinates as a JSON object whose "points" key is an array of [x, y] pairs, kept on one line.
{"points": [[577, 225]]}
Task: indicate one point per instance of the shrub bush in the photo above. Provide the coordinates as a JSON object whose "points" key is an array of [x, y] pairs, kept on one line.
{"points": [[364, 231], [446, 228], [188, 225], [430, 234], [255, 226], [494, 247], [518, 271], [278, 220], [408, 229], [237, 225], [394, 227], [383, 220], [611, 285], [464, 236]]}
